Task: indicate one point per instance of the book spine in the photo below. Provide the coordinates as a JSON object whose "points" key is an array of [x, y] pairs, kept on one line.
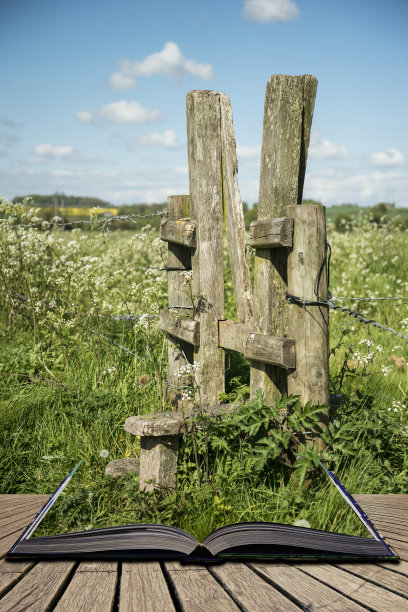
{"points": [[359, 511]]}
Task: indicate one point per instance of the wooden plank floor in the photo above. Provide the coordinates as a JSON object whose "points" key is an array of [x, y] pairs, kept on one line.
{"points": [[169, 587]]}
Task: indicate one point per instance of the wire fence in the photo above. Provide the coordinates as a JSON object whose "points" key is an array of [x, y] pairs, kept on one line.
{"points": [[102, 224]]}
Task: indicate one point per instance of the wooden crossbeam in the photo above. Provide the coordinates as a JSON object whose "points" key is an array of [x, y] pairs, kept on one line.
{"points": [[180, 327], [179, 231], [271, 233], [259, 347]]}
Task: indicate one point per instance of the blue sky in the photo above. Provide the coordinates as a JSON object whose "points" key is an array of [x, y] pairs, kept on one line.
{"points": [[93, 92]]}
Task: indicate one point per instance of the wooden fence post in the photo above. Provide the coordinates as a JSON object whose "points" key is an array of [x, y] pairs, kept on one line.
{"points": [[289, 104], [179, 353], [205, 178], [309, 325]]}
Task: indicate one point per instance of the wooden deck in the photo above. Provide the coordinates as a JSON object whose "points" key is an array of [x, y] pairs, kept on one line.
{"points": [[167, 587]]}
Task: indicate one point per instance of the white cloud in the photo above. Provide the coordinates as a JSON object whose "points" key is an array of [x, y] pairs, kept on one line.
{"points": [[390, 157], [61, 173], [270, 10], [320, 148], [167, 140], [35, 160], [253, 152], [48, 150], [128, 112], [366, 188], [120, 82], [181, 170], [121, 112], [85, 116], [169, 61]]}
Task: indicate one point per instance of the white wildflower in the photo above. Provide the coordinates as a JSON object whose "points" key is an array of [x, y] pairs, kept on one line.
{"points": [[104, 453], [302, 523]]}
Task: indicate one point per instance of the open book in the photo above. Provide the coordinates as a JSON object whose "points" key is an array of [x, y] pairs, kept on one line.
{"points": [[239, 541]]}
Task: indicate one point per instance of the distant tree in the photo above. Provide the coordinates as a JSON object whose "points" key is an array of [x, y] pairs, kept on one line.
{"points": [[315, 202], [250, 214]]}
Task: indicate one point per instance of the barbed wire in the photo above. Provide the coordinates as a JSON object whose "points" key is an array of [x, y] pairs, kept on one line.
{"points": [[116, 344], [293, 299], [44, 224], [365, 299], [325, 266]]}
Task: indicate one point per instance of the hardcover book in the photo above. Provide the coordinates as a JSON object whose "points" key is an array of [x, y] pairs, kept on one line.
{"points": [[242, 541]]}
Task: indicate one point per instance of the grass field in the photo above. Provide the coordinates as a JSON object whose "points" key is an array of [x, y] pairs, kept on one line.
{"points": [[66, 390]]}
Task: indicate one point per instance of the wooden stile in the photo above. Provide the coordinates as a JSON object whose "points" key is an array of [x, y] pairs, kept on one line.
{"points": [[205, 178], [289, 104]]}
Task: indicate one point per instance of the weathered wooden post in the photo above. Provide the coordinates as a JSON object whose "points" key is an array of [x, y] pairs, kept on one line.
{"points": [[309, 325], [289, 104], [175, 228], [205, 178]]}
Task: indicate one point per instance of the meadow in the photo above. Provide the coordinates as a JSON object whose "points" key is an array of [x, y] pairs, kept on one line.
{"points": [[81, 351]]}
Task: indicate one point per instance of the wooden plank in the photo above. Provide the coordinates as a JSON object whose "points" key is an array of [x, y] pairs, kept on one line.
{"points": [[39, 589], [144, 588], [311, 594], [233, 335], [10, 572], [289, 103], [309, 325], [400, 568], [19, 496], [270, 350], [365, 593], [19, 516], [271, 233], [378, 575], [205, 178], [266, 349], [7, 542], [250, 590], [197, 590], [17, 507], [179, 294], [180, 231], [180, 327], [241, 277], [92, 588]]}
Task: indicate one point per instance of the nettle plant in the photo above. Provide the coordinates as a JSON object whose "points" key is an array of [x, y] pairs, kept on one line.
{"points": [[251, 440]]}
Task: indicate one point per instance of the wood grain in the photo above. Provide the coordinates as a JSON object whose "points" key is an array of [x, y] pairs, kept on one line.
{"points": [[289, 103], [357, 588], [311, 594], [271, 233], [235, 216], [179, 353], [38, 589], [260, 597], [205, 178], [197, 590], [180, 327], [10, 572], [92, 588], [309, 325], [136, 592], [180, 231]]}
